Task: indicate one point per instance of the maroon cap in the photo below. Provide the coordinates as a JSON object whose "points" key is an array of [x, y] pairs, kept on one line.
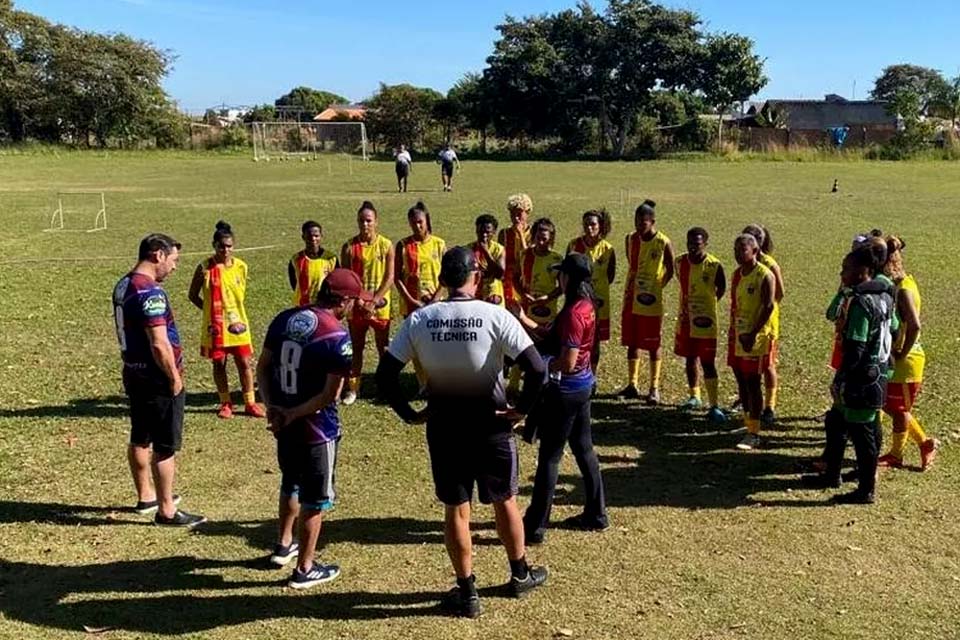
{"points": [[344, 283]]}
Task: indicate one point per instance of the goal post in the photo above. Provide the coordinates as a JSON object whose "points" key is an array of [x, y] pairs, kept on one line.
{"points": [[307, 140], [80, 203]]}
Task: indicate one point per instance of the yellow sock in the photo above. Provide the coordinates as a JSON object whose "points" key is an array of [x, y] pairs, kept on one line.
{"points": [[655, 373], [249, 397], [771, 396], [897, 441], [224, 397], [354, 384], [753, 425], [633, 370], [695, 392], [713, 392], [916, 431]]}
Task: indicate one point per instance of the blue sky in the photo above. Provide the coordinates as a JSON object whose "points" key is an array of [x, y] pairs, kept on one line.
{"points": [[243, 52]]}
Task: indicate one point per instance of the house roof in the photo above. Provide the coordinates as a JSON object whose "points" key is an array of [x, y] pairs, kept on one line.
{"points": [[353, 111], [832, 112]]}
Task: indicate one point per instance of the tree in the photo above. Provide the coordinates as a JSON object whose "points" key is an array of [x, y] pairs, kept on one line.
{"points": [[471, 93], [448, 113], [400, 114], [261, 113], [309, 101], [730, 73], [928, 84]]}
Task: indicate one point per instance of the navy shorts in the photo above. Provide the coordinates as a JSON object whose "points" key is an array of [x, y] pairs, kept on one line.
{"points": [[308, 471], [463, 455], [402, 169], [156, 419], [447, 169]]}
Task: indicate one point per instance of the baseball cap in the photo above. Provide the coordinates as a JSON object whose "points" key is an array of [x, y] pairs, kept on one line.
{"points": [[575, 265], [344, 283], [456, 264]]}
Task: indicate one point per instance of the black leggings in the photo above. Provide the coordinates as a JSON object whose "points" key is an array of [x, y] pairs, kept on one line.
{"points": [[565, 418]]}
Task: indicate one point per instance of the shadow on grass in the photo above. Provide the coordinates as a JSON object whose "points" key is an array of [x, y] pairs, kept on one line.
{"points": [[71, 515]]}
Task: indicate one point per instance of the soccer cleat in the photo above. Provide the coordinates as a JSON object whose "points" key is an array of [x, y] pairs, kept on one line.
{"points": [[653, 398], [890, 461], [226, 411], [282, 555], [317, 574], [179, 519], [146, 508], [749, 442], [691, 404], [854, 497], [768, 418], [255, 411], [717, 416], [630, 392], [536, 576], [928, 452], [348, 397], [461, 605]]}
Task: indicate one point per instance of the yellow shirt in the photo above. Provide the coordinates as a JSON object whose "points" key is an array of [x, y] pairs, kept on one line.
{"points": [[225, 322], [643, 295], [770, 263], [600, 256], [369, 261], [420, 268], [745, 305], [539, 280], [308, 274], [910, 368], [698, 297], [514, 244], [491, 289]]}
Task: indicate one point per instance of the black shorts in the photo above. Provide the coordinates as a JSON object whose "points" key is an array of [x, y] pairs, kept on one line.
{"points": [[461, 457], [157, 419], [402, 169], [308, 471], [446, 169]]}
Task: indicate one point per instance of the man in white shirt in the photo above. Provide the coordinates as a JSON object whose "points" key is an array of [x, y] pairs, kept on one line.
{"points": [[403, 165], [447, 157], [461, 344]]}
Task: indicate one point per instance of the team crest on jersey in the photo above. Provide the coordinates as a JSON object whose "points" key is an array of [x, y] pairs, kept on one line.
{"points": [[301, 325], [706, 278], [750, 290], [155, 305]]}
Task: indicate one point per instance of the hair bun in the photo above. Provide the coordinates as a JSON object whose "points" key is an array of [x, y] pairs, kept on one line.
{"points": [[650, 203], [223, 226], [366, 204]]}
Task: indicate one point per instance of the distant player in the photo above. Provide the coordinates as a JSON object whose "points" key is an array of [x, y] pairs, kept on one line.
{"points": [[306, 356], [651, 261], [539, 289], [702, 285], [751, 331], [771, 380], [447, 158], [307, 268], [219, 289], [371, 256], [403, 165], [491, 260], [603, 263]]}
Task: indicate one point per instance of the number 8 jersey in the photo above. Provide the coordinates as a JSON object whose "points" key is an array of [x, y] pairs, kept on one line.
{"points": [[307, 344]]}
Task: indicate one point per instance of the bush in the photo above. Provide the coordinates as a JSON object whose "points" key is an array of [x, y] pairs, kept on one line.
{"points": [[235, 137]]}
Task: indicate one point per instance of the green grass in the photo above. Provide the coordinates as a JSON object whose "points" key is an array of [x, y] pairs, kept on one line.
{"points": [[705, 543]]}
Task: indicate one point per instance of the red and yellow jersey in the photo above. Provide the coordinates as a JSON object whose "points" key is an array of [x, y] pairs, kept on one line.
{"points": [[420, 268], [769, 262], [515, 241], [308, 274], [600, 256], [369, 262], [643, 295], [698, 297], [745, 305], [490, 289], [909, 368], [539, 280], [224, 316]]}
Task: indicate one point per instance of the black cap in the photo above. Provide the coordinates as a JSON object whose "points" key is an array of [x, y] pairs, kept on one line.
{"points": [[575, 265], [457, 264]]}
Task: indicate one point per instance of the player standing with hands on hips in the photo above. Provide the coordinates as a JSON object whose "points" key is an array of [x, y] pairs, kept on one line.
{"points": [[461, 343]]}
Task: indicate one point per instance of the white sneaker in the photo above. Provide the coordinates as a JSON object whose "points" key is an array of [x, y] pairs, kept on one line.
{"points": [[348, 397], [749, 442]]}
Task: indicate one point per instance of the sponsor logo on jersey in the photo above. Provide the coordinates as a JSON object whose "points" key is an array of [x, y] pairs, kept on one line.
{"points": [[703, 322], [155, 305], [646, 299]]}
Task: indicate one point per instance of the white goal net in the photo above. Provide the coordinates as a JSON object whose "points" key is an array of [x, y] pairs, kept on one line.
{"points": [[307, 140]]}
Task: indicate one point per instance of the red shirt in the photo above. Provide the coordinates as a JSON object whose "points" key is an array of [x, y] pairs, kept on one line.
{"points": [[576, 328]]}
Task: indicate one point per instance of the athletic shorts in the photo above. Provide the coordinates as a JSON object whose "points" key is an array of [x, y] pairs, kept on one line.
{"points": [[157, 420], [461, 458], [308, 471], [748, 366], [402, 169], [219, 354], [359, 322], [703, 348], [901, 396], [641, 332], [447, 169]]}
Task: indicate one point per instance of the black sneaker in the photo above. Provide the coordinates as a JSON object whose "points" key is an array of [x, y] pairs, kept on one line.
{"points": [[282, 555], [819, 481], [457, 604], [536, 576], [533, 538], [581, 523], [145, 508], [180, 519], [629, 392], [768, 418], [854, 497], [317, 574]]}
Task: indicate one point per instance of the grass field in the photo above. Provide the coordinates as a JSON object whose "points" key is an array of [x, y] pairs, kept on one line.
{"points": [[706, 542]]}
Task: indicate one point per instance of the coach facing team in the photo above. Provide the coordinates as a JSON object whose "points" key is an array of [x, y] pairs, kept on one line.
{"points": [[461, 344]]}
